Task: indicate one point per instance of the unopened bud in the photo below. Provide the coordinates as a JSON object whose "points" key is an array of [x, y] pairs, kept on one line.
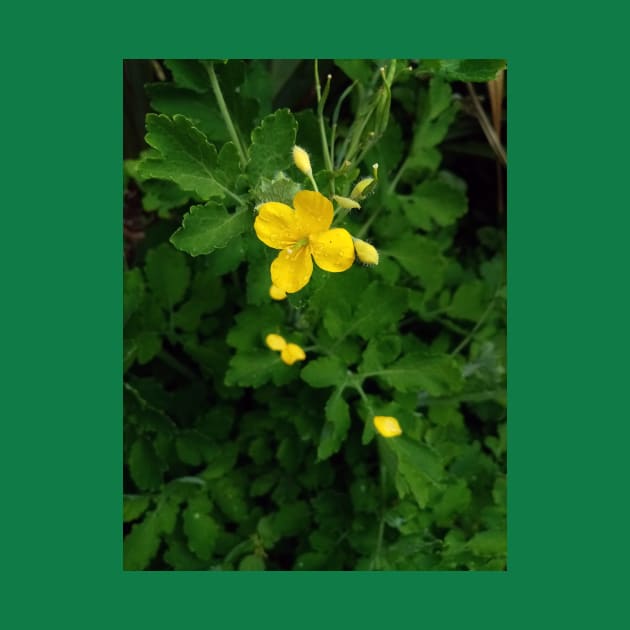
{"points": [[375, 170], [366, 253], [275, 342], [302, 161], [344, 202], [387, 426], [276, 293], [361, 186]]}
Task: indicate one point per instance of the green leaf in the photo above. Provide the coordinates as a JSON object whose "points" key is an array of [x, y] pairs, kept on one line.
{"points": [[357, 69], [280, 188], [254, 368], [478, 70], [187, 158], [488, 543], [436, 375], [141, 544], [336, 427], [253, 325], [189, 73], [414, 457], [324, 372], [469, 301], [379, 307], [251, 563], [134, 506], [435, 201], [201, 530], [422, 258], [147, 346], [209, 227], [133, 292], [200, 109], [144, 465], [272, 144], [168, 274]]}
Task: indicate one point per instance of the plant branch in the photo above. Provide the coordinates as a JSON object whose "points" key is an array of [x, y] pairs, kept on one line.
{"points": [[216, 88], [486, 126]]}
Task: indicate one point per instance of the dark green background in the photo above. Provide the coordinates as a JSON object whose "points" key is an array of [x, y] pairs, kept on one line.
{"points": [[62, 247]]}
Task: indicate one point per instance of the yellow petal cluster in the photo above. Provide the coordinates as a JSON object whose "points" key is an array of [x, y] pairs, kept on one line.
{"points": [[289, 352], [387, 426], [303, 233]]}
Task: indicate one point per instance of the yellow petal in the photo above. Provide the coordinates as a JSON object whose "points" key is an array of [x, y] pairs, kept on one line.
{"points": [[292, 353], [275, 342], [292, 269], [314, 213], [387, 426], [276, 225], [366, 253], [333, 250], [276, 293]]}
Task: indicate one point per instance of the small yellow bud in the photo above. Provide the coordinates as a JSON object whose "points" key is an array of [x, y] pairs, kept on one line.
{"points": [[387, 426], [366, 253], [302, 161], [292, 353], [275, 342], [361, 187], [276, 293], [344, 202]]}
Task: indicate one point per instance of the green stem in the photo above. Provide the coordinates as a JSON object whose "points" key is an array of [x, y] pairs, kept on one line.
{"points": [[369, 222], [464, 342], [177, 365], [321, 101], [226, 114]]}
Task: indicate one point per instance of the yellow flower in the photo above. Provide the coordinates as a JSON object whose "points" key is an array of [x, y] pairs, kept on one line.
{"points": [[289, 352], [276, 293], [387, 426], [300, 234], [275, 342]]}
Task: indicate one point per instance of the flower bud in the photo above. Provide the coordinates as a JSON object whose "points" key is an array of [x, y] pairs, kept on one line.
{"points": [[375, 170], [387, 426], [275, 342], [292, 353], [302, 161], [344, 202], [361, 187], [276, 293], [366, 253]]}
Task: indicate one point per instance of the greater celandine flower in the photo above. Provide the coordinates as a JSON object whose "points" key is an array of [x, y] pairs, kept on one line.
{"points": [[289, 352], [300, 233], [387, 426]]}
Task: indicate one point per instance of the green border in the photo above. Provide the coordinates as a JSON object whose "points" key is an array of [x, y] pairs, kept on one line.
{"points": [[62, 300]]}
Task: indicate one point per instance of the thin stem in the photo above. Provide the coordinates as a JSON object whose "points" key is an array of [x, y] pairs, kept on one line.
{"points": [[369, 222], [177, 365], [464, 342], [321, 101], [314, 183], [401, 170], [335, 119], [225, 113]]}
